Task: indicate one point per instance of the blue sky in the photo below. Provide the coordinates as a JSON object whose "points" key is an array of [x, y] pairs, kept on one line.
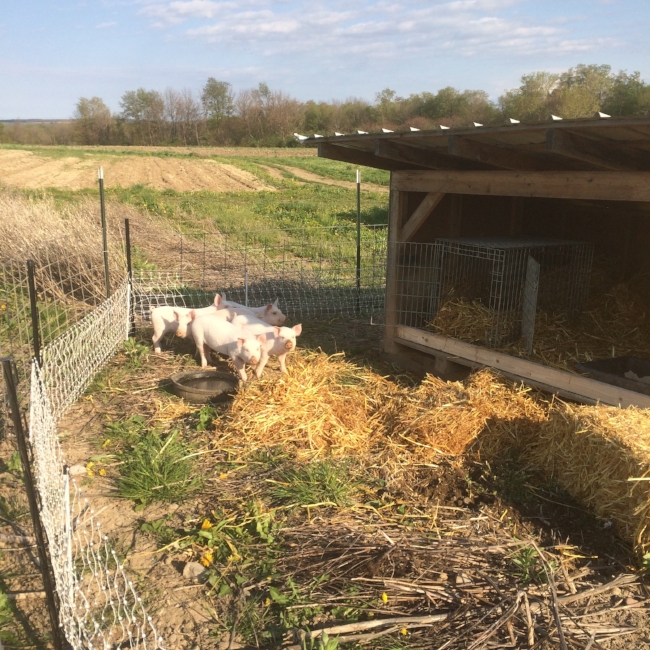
{"points": [[54, 51]]}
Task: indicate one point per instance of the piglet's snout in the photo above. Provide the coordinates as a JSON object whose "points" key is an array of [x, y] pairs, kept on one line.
{"points": [[289, 345], [253, 361]]}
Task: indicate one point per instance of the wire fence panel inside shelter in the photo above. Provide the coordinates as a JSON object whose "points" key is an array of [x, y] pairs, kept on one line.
{"points": [[482, 280], [311, 271]]}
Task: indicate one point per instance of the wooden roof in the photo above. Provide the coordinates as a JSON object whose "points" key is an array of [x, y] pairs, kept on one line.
{"points": [[597, 144]]}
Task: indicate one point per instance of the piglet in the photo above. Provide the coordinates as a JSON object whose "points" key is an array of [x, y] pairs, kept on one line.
{"points": [[270, 313], [164, 319], [280, 341], [218, 334]]}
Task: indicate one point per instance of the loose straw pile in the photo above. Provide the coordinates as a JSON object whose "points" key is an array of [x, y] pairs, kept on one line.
{"points": [[328, 406]]}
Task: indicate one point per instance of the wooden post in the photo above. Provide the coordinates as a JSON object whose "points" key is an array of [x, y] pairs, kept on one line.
{"points": [[396, 214]]}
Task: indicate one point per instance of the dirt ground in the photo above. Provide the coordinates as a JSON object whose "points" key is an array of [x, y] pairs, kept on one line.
{"points": [[316, 178], [27, 169]]}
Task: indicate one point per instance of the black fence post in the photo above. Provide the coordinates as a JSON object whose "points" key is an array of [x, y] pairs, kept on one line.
{"points": [[100, 175], [129, 270], [358, 241], [8, 370], [36, 334]]}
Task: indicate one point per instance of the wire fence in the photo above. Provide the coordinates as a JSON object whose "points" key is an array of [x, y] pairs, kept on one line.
{"points": [[60, 328], [311, 271]]}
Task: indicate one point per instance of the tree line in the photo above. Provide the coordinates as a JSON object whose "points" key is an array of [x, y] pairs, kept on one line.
{"points": [[262, 116]]}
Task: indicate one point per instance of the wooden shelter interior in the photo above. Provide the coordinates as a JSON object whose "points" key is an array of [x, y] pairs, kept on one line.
{"points": [[583, 180]]}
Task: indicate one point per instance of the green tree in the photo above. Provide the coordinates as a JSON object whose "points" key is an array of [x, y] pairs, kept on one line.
{"points": [[217, 100], [93, 121], [581, 91], [144, 110], [628, 95], [531, 101]]}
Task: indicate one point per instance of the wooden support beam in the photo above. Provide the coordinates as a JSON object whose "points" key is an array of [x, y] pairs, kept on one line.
{"points": [[601, 186], [601, 154], [396, 215], [497, 157], [421, 214], [359, 157], [549, 379], [429, 158]]}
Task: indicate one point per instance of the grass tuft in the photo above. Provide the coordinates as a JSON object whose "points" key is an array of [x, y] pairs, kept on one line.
{"points": [[322, 482], [158, 468]]}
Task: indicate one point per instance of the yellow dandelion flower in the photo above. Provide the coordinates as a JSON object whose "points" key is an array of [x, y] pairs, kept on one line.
{"points": [[403, 631], [106, 442], [267, 602], [3, 306], [206, 525], [102, 472], [90, 473], [90, 465], [384, 597], [223, 476], [207, 558]]}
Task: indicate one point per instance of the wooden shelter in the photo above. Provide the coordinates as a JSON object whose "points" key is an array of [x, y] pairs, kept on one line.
{"points": [[586, 179]]}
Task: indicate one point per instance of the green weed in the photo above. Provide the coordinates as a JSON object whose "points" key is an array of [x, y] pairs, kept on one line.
{"points": [[6, 619], [158, 528], [157, 468], [11, 509], [14, 464], [529, 566], [135, 352], [322, 642], [320, 483], [204, 417]]}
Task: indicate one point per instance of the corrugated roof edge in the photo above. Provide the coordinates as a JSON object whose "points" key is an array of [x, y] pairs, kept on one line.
{"points": [[573, 124]]}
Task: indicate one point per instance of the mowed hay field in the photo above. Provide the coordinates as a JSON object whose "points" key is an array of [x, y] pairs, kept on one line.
{"points": [[395, 510]]}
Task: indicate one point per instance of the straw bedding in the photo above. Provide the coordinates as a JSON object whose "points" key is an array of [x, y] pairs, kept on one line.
{"points": [[615, 322], [328, 406]]}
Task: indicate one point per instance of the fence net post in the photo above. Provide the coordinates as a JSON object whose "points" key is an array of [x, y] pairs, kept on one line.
{"points": [[358, 241], [36, 333], [100, 175], [8, 371], [129, 270]]}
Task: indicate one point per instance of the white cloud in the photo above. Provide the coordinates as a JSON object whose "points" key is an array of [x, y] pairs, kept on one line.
{"points": [[105, 25], [372, 29]]}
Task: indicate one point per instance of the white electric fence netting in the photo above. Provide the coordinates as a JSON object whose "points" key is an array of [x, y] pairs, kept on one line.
{"points": [[99, 607]]}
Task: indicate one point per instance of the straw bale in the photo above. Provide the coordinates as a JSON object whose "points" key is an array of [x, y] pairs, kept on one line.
{"points": [[592, 451], [447, 418]]}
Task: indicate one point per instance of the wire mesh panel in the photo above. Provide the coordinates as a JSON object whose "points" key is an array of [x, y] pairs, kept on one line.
{"points": [[72, 359], [99, 608], [311, 271], [474, 288]]}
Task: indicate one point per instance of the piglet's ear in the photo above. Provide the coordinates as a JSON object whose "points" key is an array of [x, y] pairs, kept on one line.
{"points": [[177, 316], [262, 338], [277, 331], [297, 329], [241, 342], [217, 301], [192, 315], [275, 304], [269, 307]]}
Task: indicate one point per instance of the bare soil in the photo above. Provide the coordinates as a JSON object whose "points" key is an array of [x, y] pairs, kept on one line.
{"points": [[316, 178], [29, 170]]}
